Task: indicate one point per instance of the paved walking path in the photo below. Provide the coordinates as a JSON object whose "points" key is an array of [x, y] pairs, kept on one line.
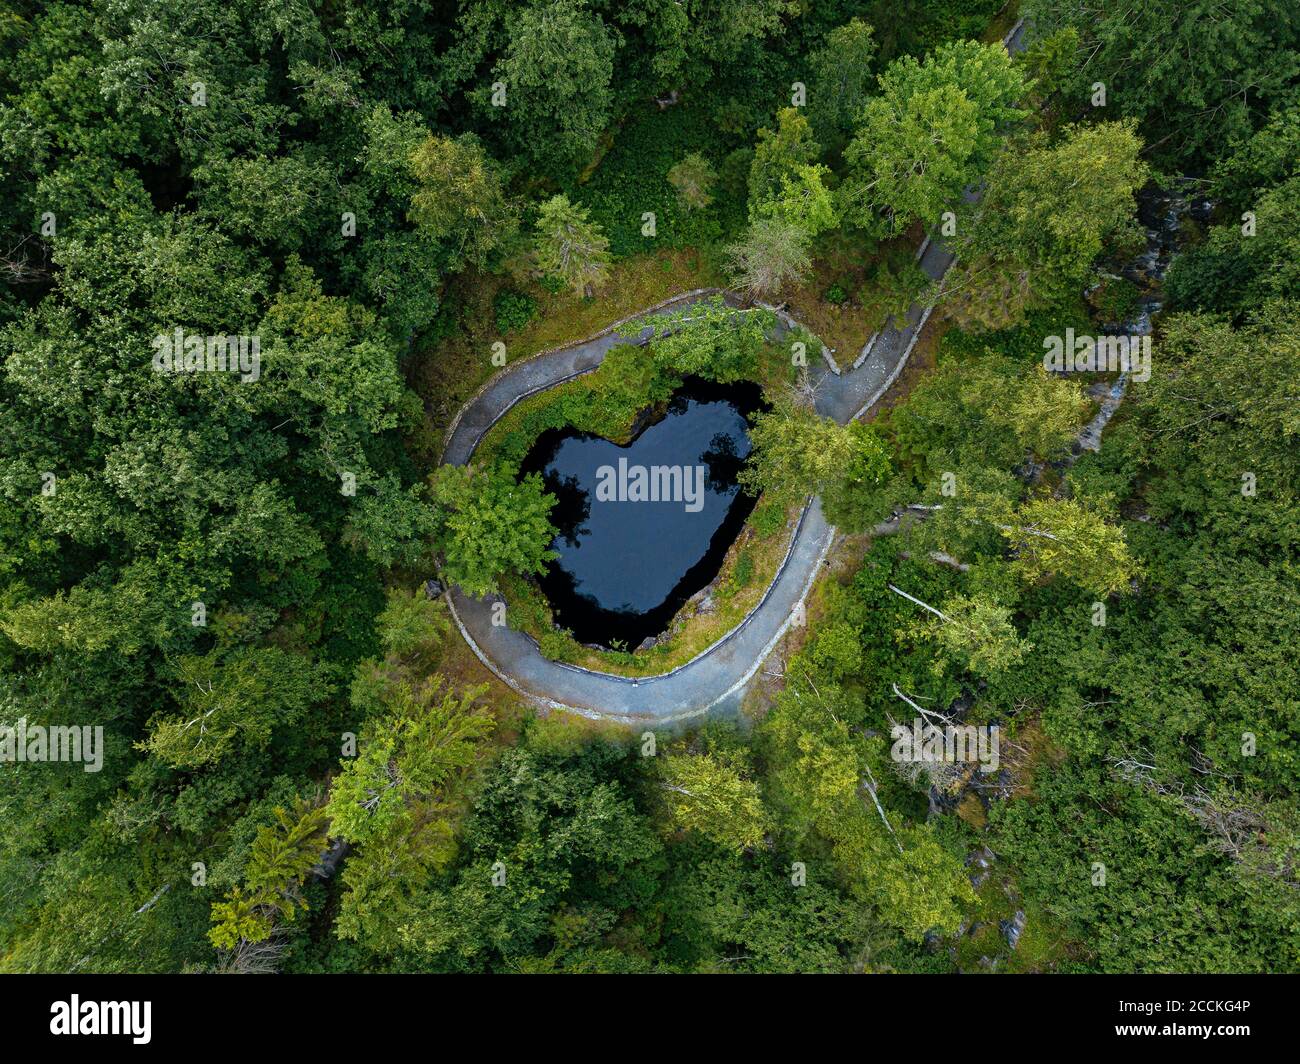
{"points": [[715, 680]]}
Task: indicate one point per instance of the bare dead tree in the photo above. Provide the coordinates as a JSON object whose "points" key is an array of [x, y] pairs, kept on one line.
{"points": [[19, 266], [1236, 825], [924, 605], [253, 958], [869, 784]]}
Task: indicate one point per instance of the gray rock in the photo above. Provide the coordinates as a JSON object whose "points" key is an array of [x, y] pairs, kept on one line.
{"points": [[1012, 929]]}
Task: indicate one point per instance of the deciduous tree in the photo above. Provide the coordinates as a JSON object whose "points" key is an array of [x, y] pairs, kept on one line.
{"points": [[491, 524]]}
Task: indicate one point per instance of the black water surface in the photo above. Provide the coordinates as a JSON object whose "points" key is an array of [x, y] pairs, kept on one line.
{"points": [[625, 567]]}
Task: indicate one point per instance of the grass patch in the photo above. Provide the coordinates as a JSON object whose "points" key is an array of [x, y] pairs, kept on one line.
{"points": [[605, 402], [836, 302], [1043, 943], [455, 358]]}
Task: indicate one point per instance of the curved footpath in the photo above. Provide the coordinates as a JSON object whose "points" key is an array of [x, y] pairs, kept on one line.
{"points": [[716, 679]]}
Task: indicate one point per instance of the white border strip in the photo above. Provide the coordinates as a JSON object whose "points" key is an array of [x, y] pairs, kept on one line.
{"points": [[916, 335]]}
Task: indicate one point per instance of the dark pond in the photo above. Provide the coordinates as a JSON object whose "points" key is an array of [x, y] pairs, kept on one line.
{"points": [[642, 527]]}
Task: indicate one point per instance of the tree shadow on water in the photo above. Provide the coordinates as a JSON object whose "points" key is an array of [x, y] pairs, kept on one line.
{"points": [[572, 508], [722, 462]]}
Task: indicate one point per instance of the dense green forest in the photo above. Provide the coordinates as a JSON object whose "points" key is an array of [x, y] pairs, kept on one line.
{"points": [[363, 210]]}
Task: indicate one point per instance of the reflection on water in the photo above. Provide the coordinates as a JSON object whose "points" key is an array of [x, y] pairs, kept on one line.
{"points": [[626, 567]]}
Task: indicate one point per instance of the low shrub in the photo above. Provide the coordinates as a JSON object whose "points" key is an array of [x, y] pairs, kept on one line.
{"points": [[513, 309], [768, 518], [836, 294]]}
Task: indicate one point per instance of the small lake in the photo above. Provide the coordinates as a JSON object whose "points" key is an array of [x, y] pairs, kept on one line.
{"points": [[643, 527]]}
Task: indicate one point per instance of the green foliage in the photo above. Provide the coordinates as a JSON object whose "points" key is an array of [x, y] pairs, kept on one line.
{"points": [[797, 453], [907, 878], [708, 339], [779, 154], [743, 572], [693, 177], [1049, 61], [1263, 161], [1169, 903], [236, 920], [1234, 270], [990, 408], [710, 793], [569, 247], [921, 26], [425, 737], [894, 287], [772, 254], [513, 310], [389, 525], [724, 913], [562, 837], [841, 81], [196, 580], [1220, 405], [978, 633], [491, 523], [245, 696], [803, 201], [396, 802], [459, 199], [604, 403], [281, 859], [1071, 540], [1046, 215], [411, 627], [931, 131], [632, 179], [837, 650], [768, 518], [1115, 300], [556, 72], [1164, 62]]}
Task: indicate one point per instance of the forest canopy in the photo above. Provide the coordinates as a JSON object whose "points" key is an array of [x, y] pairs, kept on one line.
{"points": [[257, 257]]}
